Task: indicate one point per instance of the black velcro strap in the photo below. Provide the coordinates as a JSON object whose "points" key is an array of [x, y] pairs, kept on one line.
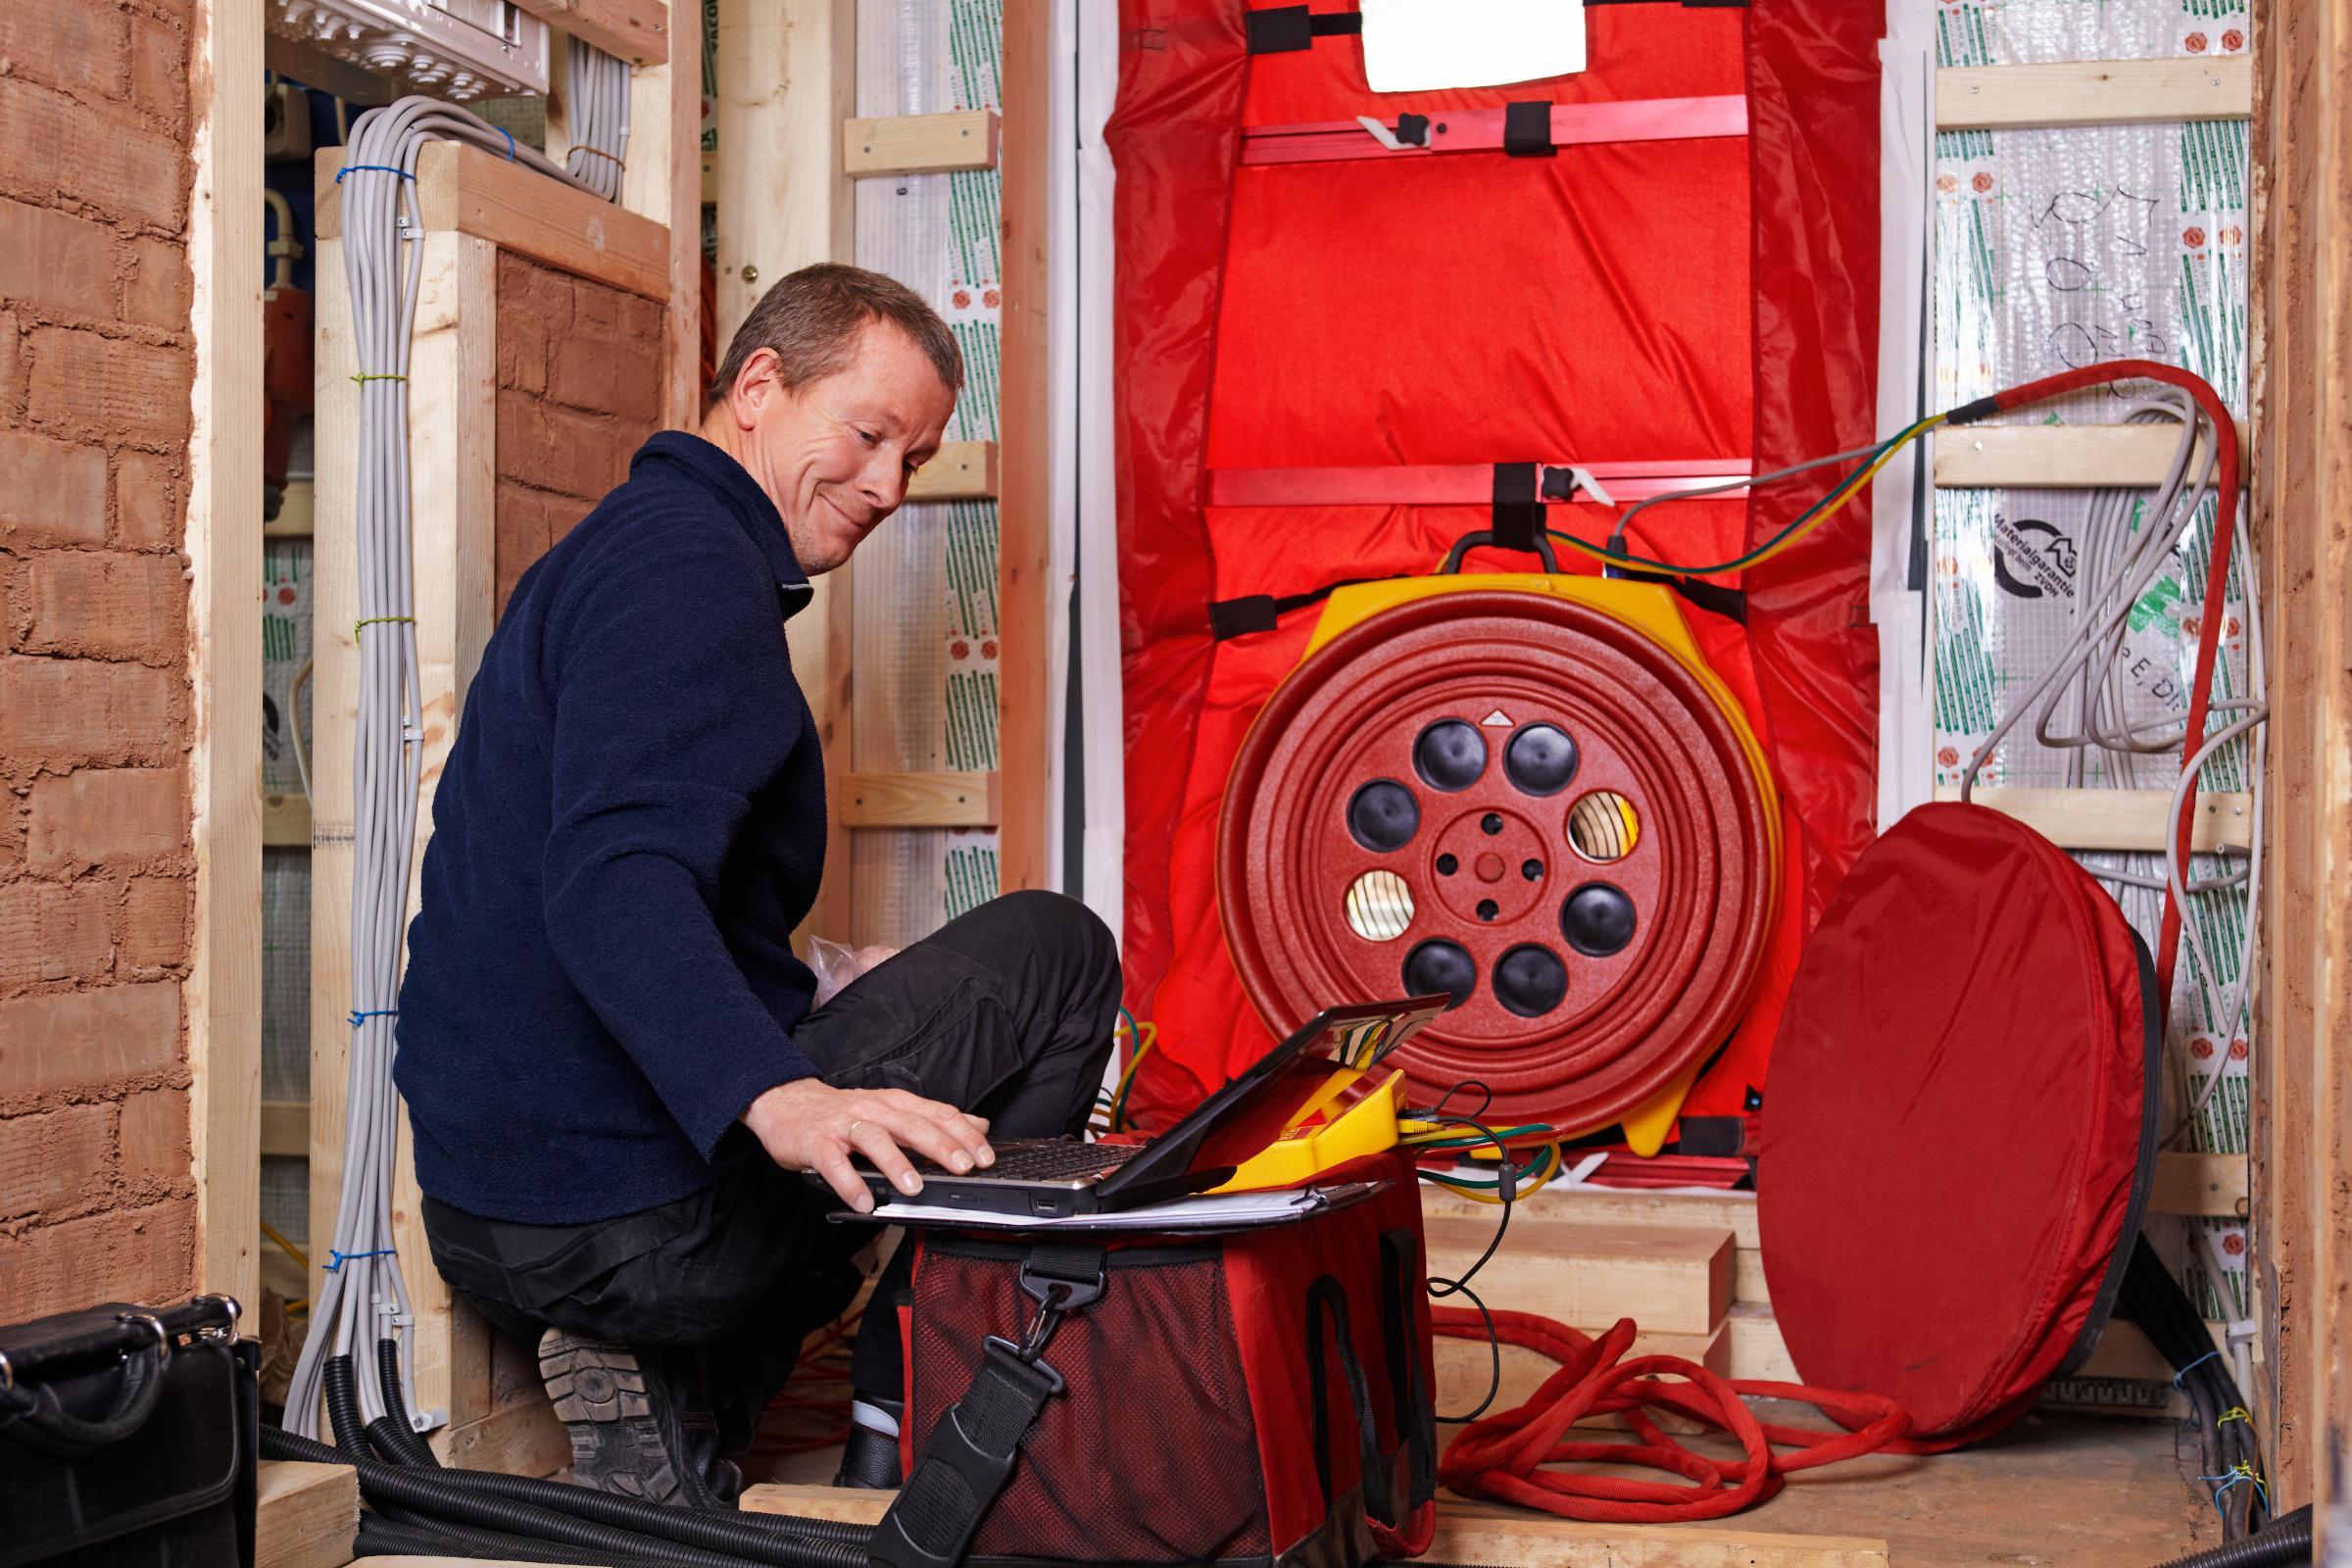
{"points": [[1286, 29], [1238, 618], [965, 1464], [1527, 130], [1729, 603], [1518, 513]]}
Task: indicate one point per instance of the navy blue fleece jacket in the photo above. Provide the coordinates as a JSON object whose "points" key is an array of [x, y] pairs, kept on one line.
{"points": [[630, 825]]}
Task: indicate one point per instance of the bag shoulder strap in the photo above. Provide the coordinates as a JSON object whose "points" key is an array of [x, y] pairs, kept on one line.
{"points": [[969, 1456]]}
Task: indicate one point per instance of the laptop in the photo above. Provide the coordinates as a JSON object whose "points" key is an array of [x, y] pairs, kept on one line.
{"points": [[1051, 1178]]}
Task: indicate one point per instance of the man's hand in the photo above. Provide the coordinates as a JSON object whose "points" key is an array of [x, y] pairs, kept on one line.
{"points": [[808, 1125]]}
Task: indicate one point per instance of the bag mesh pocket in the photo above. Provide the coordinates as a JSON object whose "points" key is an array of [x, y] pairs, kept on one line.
{"points": [[1151, 1454]]}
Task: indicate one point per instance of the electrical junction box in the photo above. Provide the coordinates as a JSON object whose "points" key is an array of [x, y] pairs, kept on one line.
{"points": [[459, 50]]}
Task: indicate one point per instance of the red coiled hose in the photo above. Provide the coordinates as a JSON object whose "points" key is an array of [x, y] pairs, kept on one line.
{"points": [[1505, 1455]]}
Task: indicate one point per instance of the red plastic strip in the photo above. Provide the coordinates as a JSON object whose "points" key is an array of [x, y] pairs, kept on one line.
{"points": [[1462, 131], [1459, 484]]}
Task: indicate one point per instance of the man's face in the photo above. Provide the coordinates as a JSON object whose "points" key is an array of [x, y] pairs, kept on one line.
{"points": [[835, 455]]}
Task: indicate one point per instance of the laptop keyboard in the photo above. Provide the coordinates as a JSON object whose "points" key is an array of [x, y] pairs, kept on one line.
{"points": [[1050, 1159]]}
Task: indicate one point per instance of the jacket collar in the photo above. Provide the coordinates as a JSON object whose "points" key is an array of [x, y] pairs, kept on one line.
{"points": [[732, 483]]}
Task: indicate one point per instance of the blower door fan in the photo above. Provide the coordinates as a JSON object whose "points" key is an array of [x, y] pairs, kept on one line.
{"points": [[1526, 801]]}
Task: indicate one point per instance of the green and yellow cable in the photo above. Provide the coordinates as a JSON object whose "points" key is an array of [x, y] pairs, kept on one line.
{"points": [[1810, 518]]}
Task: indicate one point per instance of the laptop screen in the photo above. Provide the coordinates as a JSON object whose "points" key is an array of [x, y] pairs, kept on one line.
{"points": [[1251, 1110]]}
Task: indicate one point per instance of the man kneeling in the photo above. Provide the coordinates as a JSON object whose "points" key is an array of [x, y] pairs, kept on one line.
{"points": [[607, 1046]]}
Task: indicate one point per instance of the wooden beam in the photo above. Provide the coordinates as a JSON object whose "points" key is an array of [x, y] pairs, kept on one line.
{"points": [[920, 144], [787, 81], [285, 1128], [1025, 420], [523, 1440], [1482, 1533], [1465, 1370], [286, 822], [304, 1516], [663, 184], [919, 799], [963, 470], [2300, 379], [2118, 819], [2094, 92], [293, 519], [2209, 1185], [463, 190], [635, 31], [222, 997], [2060, 457], [1668, 1281]]}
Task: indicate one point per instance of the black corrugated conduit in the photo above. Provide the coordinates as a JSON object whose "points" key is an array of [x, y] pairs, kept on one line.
{"points": [[2287, 1539], [580, 1517]]}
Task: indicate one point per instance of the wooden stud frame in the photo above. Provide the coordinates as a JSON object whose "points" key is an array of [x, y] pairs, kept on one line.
{"points": [[2301, 384], [920, 144], [222, 996]]}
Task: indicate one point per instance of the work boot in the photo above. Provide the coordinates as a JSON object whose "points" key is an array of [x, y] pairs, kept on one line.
{"points": [[870, 1458], [633, 1429]]}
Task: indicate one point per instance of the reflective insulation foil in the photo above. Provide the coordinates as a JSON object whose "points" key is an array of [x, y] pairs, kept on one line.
{"points": [[925, 583], [2068, 247]]}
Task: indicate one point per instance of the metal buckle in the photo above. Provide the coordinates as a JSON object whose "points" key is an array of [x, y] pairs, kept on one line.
{"points": [[163, 1335], [229, 1335], [1061, 1294]]}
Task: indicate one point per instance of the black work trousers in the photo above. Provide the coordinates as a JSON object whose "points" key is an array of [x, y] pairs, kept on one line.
{"points": [[1005, 1011]]}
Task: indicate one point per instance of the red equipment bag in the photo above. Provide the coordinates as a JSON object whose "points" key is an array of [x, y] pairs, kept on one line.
{"points": [[1962, 1127], [1256, 1396]]}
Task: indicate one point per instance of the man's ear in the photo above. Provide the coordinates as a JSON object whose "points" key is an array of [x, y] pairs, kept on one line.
{"points": [[756, 385]]}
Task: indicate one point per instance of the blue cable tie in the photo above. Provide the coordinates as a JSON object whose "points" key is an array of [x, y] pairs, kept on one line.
{"points": [[380, 169], [2192, 1366], [339, 1257], [359, 1018], [510, 135]]}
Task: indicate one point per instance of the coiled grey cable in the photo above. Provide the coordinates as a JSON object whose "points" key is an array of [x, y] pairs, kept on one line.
{"points": [[365, 1298]]}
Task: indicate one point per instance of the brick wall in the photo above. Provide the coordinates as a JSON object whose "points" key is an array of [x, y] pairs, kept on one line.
{"points": [[579, 370], [96, 1202]]}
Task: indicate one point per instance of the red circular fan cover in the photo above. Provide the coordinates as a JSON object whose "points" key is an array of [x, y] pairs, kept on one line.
{"points": [[1960, 1123]]}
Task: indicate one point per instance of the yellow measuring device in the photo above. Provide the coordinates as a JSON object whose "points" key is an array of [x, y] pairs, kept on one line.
{"points": [[1304, 1151]]}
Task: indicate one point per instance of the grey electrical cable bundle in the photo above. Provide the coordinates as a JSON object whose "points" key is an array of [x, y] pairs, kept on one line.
{"points": [[365, 1299], [598, 105], [2122, 548]]}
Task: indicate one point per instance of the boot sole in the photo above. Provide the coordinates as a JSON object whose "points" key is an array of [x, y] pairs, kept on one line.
{"points": [[598, 1392]]}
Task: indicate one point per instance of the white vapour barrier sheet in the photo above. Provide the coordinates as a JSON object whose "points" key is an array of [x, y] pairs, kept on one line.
{"points": [[2068, 247], [925, 585]]}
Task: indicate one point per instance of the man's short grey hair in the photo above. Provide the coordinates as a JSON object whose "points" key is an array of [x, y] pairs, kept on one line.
{"points": [[812, 319]]}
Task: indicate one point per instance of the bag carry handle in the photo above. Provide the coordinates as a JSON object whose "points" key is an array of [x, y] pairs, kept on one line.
{"points": [[1326, 1297], [38, 1419], [971, 1451], [1402, 1282]]}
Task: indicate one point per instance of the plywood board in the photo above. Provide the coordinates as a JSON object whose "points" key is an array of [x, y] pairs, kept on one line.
{"points": [[1471, 1532], [304, 1516], [635, 31], [1667, 1281], [2118, 819], [2094, 92], [920, 144], [963, 470], [462, 189], [2063, 457], [919, 800]]}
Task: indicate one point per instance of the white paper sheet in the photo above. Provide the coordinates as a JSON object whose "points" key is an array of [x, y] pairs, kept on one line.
{"points": [[1419, 45]]}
